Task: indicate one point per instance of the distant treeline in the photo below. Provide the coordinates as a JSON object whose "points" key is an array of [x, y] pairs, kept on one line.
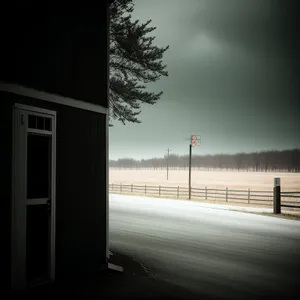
{"points": [[264, 161]]}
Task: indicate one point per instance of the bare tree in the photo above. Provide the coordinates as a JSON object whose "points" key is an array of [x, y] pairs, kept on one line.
{"points": [[287, 160]]}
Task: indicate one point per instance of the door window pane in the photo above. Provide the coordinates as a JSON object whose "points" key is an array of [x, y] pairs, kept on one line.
{"points": [[38, 122], [47, 124], [32, 121], [38, 166]]}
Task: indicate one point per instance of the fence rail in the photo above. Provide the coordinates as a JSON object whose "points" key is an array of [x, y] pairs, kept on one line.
{"points": [[289, 199], [245, 196]]}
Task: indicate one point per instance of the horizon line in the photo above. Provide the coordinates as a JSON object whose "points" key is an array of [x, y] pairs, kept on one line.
{"points": [[230, 154]]}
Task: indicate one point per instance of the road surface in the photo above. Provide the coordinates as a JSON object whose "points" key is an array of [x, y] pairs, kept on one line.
{"points": [[209, 249]]}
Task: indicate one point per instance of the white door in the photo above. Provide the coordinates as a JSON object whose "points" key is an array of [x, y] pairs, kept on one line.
{"points": [[33, 196]]}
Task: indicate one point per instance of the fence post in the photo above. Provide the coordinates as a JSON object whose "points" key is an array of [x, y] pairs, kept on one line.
{"points": [[121, 187], [248, 195], [131, 188], [227, 194], [276, 196], [159, 191], [206, 193], [178, 192], [145, 189]]}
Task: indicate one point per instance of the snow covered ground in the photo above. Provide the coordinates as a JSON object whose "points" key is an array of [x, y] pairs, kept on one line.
{"points": [[207, 247]]}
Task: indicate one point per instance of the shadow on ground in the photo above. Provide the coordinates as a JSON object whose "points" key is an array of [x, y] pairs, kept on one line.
{"points": [[133, 283]]}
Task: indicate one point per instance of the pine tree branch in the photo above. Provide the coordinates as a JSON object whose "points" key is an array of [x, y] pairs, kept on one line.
{"points": [[133, 59]]}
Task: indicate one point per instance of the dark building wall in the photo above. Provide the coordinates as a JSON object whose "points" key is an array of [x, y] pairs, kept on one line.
{"points": [[64, 53], [5, 190], [80, 187], [81, 191], [54, 51]]}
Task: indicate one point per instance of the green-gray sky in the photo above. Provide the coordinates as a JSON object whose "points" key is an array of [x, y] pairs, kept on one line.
{"points": [[233, 78]]}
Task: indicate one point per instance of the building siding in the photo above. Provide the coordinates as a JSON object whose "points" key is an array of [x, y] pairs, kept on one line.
{"points": [[80, 187], [56, 52]]}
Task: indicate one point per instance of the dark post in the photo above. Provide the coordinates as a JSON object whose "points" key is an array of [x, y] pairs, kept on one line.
{"points": [[167, 168], [276, 196], [168, 150], [190, 172]]}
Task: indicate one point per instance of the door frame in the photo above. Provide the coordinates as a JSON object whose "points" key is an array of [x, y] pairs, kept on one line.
{"points": [[19, 195]]}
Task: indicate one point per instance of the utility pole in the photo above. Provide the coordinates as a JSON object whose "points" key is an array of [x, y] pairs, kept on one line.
{"points": [[190, 172], [168, 150], [194, 141]]}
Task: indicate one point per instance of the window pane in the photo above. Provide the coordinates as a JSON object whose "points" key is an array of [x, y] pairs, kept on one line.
{"points": [[38, 166], [48, 124], [32, 121], [40, 123]]}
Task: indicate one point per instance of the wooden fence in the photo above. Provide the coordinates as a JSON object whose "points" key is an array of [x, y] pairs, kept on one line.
{"points": [[288, 199]]}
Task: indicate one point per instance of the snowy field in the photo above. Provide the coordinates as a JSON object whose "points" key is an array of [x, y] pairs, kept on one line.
{"points": [[259, 181]]}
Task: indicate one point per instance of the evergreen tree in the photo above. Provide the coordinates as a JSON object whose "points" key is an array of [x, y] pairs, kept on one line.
{"points": [[134, 62]]}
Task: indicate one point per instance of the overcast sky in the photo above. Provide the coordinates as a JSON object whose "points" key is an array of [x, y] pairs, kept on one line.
{"points": [[233, 79]]}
